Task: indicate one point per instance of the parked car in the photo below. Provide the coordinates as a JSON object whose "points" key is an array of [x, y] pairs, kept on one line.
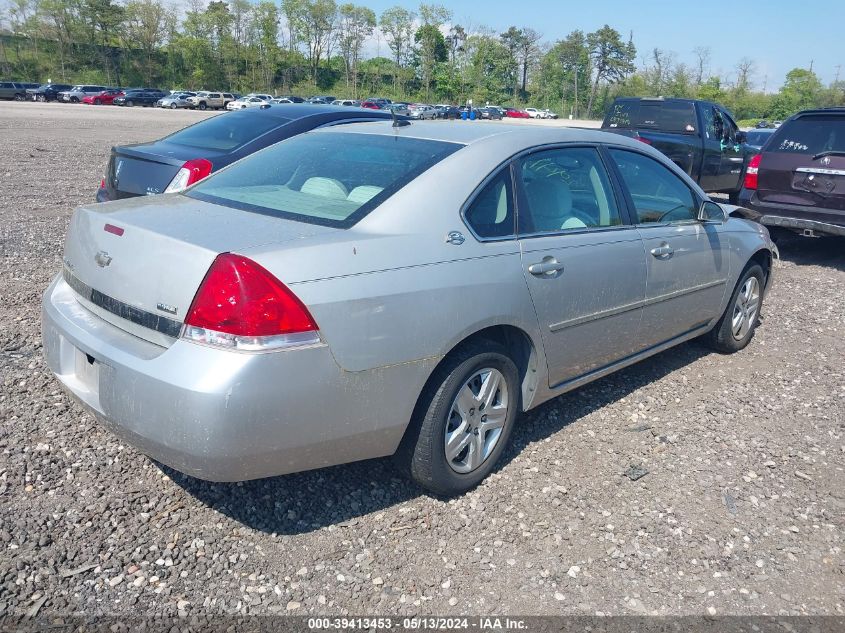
{"points": [[763, 124], [371, 105], [291, 98], [204, 100], [302, 308], [347, 102], [262, 96], [247, 102], [549, 114], [321, 99], [141, 97], [515, 113], [534, 113], [422, 111], [699, 136], [77, 93], [399, 108], [489, 112], [46, 92], [797, 182], [176, 100], [448, 112], [185, 157], [106, 97], [15, 90], [755, 139]]}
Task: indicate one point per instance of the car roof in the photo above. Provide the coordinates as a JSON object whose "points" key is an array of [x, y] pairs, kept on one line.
{"points": [[519, 136]]}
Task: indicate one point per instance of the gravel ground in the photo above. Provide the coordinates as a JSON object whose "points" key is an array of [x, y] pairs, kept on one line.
{"points": [[741, 511]]}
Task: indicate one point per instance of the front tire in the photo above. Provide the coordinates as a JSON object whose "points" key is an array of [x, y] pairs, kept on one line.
{"points": [[203, 106], [736, 328], [462, 421], [128, 104]]}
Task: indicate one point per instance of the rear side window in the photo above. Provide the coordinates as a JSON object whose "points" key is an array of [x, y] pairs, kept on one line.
{"points": [[491, 213], [668, 116], [326, 178], [658, 194], [810, 135], [566, 189], [226, 133]]}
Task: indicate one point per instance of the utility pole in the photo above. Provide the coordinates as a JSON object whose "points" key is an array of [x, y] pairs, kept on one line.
{"points": [[811, 64], [838, 68]]}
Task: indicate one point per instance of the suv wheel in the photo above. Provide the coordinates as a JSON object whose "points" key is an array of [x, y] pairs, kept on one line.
{"points": [[173, 106], [202, 105], [735, 329], [129, 103], [463, 420], [18, 97]]}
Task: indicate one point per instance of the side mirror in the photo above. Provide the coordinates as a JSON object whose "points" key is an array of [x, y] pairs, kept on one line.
{"points": [[712, 213], [741, 137]]}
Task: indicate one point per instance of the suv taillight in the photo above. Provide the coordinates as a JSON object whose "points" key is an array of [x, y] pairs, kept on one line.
{"points": [[752, 171], [192, 171], [240, 305]]}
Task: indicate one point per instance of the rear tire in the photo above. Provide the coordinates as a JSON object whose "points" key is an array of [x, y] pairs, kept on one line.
{"points": [[736, 327], [129, 104], [18, 97], [203, 106], [487, 380], [98, 102]]}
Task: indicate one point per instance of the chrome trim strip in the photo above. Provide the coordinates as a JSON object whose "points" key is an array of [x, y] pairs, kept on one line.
{"points": [[555, 327], [821, 170], [168, 327]]}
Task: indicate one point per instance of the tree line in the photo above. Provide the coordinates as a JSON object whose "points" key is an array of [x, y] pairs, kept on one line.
{"points": [[320, 46]]}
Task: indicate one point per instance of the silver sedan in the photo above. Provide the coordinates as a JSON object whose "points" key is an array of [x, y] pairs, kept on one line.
{"points": [[375, 289]]}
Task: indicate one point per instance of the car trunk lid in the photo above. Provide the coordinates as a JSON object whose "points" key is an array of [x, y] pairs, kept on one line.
{"points": [[143, 170], [138, 263]]}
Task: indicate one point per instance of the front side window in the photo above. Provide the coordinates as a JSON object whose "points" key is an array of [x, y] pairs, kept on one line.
{"points": [[566, 189], [491, 213], [658, 194], [327, 178]]}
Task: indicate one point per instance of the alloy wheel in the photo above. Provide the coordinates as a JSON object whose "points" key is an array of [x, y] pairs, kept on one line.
{"points": [[745, 308]]}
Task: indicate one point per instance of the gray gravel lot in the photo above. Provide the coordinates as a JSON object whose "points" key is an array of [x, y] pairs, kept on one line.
{"points": [[742, 510]]}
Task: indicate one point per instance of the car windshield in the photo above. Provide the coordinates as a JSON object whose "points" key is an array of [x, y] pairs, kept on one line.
{"points": [[226, 133], [670, 116], [811, 135], [327, 178]]}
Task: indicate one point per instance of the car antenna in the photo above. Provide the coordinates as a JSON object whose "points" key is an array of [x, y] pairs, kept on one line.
{"points": [[397, 122]]}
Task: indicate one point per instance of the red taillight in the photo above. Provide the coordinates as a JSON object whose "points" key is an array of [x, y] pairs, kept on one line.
{"points": [[643, 139], [192, 171], [241, 305], [752, 171], [103, 183]]}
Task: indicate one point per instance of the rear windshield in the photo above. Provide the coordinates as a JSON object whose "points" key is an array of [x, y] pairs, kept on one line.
{"points": [[812, 135], [668, 116], [227, 132], [327, 178]]}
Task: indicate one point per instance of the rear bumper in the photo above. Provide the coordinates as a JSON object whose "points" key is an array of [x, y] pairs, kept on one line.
{"points": [[220, 415], [794, 217]]}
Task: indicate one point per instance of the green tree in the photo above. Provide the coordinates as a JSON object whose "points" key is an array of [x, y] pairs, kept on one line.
{"points": [[612, 59], [147, 25], [397, 25], [355, 26], [801, 90]]}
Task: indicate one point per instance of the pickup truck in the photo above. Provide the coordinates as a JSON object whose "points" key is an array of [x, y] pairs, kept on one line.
{"points": [[699, 136], [213, 100]]}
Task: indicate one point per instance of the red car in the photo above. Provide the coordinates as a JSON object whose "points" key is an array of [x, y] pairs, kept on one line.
{"points": [[372, 105], [106, 97], [517, 114]]}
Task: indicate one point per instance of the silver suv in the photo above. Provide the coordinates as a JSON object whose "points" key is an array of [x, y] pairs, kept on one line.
{"points": [[204, 100], [78, 93]]}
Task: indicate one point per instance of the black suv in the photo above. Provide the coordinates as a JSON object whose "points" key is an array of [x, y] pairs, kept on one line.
{"points": [[47, 92], [797, 181], [143, 96]]}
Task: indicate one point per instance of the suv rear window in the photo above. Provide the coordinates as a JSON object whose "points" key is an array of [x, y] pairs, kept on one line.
{"points": [[669, 116], [327, 178], [810, 134]]}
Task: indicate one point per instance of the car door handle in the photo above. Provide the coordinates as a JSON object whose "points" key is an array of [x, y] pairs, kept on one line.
{"points": [[548, 265], [662, 251]]}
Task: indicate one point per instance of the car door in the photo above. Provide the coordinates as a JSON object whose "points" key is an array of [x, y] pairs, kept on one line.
{"points": [[732, 156], [688, 261], [711, 158], [583, 262]]}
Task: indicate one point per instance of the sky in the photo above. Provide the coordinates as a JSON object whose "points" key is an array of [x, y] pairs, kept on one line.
{"points": [[778, 35]]}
